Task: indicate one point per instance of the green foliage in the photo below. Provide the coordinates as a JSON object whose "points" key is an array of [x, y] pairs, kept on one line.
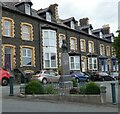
{"points": [[82, 89], [92, 88], [116, 46], [48, 89], [74, 91], [34, 87], [75, 84]]}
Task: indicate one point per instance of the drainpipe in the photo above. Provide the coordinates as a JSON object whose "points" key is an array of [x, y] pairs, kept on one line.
{"points": [[40, 46]]}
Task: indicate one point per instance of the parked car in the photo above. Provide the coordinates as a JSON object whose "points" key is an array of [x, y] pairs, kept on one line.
{"points": [[4, 77], [114, 75], [102, 76], [80, 76], [46, 76]]}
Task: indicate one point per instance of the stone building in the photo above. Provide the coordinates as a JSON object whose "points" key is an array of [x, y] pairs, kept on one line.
{"points": [[32, 39]]}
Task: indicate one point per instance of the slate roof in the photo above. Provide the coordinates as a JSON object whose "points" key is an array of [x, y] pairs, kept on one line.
{"points": [[85, 27], [108, 35], [11, 6], [69, 19], [97, 30]]}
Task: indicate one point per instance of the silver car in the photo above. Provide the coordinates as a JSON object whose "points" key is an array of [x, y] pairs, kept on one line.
{"points": [[114, 75], [46, 76]]}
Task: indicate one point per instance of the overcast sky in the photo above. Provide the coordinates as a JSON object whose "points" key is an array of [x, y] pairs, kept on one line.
{"points": [[99, 12]]}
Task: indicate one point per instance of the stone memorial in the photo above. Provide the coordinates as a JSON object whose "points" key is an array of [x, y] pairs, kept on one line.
{"points": [[65, 79]]}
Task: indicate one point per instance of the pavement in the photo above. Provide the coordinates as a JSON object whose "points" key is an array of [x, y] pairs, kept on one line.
{"points": [[17, 104]]}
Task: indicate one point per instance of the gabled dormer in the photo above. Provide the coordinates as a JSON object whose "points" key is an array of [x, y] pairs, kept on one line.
{"points": [[24, 6], [45, 13], [70, 22], [98, 32], [106, 33], [85, 26]]}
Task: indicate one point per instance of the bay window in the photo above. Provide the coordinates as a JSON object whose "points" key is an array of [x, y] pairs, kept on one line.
{"points": [[49, 49], [74, 62]]}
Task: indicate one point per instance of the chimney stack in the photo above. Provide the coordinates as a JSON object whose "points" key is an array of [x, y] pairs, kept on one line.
{"points": [[54, 9], [84, 21], [106, 29]]}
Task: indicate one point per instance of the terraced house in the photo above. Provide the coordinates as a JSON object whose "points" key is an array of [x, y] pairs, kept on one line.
{"points": [[32, 39]]}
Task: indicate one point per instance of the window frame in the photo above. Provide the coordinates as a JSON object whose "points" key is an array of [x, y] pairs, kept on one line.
{"points": [[92, 47], [74, 62], [92, 63], [108, 50], [61, 39], [50, 60], [48, 16], [102, 49], [30, 31], [27, 9], [72, 24], [83, 42], [11, 28], [26, 56], [75, 43], [32, 54]]}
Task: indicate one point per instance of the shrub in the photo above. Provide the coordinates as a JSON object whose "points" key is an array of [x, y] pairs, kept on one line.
{"points": [[75, 84], [34, 87], [92, 88], [73, 91], [48, 89], [82, 89]]}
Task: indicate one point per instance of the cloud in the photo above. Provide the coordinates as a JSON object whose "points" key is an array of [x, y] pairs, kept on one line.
{"points": [[99, 12]]}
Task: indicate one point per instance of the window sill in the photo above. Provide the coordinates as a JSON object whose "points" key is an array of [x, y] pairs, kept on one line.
{"points": [[8, 36]]}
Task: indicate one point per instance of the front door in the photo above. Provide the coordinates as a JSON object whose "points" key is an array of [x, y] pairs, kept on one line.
{"points": [[8, 59]]}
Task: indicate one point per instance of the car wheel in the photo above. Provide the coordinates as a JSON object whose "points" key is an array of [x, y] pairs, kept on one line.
{"points": [[5, 81], [44, 81]]}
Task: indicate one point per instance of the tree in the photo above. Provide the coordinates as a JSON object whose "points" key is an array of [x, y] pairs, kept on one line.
{"points": [[116, 46]]}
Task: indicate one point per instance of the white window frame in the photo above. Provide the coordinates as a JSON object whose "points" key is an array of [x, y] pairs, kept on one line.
{"points": [[8, 29], [100, 34], [27, 9], [90, 31], [61, 38], [82, 45], [102, 49], [49, 38], [72, 25], [49, 48], [108, 50], [92, 64], [27, 55], [24, 33], [50, 60], [91, 46], [73, 43], [48, 16], [75, 63]]}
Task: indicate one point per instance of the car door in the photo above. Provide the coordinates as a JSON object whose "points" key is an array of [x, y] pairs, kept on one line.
{"points": [[54, 77]]}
